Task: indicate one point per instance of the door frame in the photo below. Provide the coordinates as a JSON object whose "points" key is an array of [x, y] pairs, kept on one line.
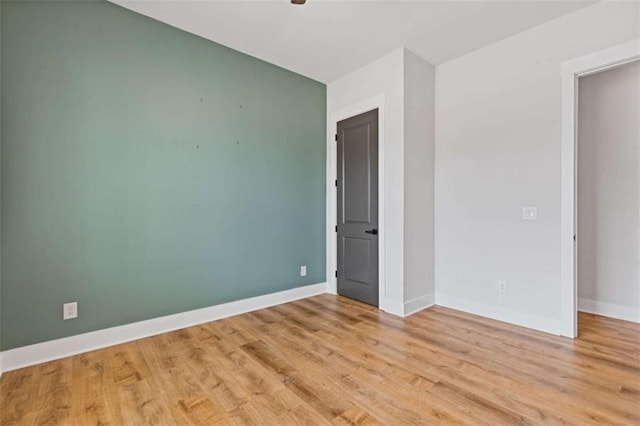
{"points": [[571, 70], [376, 102]]}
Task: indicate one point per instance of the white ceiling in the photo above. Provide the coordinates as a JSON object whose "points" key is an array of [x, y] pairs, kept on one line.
{"points": [[327, 39]]}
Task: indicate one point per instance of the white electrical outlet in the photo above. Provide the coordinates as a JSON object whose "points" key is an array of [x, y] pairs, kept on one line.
{"points": [[303, 271], [502, 287], [70, 310]]}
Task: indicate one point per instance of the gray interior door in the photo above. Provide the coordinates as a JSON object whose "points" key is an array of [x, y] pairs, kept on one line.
{"points": [[358, 207]]}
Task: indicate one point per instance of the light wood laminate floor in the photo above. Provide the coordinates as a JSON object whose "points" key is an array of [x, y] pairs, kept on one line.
{"points": [[331, 360]]}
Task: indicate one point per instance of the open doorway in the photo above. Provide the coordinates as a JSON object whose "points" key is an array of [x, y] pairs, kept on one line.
{"points": [[608, 193], [572, 70]]}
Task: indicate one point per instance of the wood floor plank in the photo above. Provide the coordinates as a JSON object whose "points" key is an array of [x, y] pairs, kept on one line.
{"points": [[136, 388], [569, 365], [524, 385], [375, 352], [332, 360], [416, 391]]}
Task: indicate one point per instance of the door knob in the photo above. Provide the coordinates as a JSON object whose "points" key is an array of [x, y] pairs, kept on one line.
{"points": [[372, 231]]}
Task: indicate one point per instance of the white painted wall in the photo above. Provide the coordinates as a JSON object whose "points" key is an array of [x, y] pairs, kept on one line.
{"points": [[498, 147], [609, 192], [419, 144], [382, 78]]}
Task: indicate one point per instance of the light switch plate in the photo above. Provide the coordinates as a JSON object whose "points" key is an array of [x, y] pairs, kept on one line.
{"points": [[303, 271], [530, 213]]}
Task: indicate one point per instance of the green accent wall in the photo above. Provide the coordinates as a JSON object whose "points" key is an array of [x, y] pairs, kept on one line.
{"points": [[0, 182], [146, 171]]}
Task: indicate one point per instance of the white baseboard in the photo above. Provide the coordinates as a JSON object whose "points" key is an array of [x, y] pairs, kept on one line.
{"points": [[394, 307], [612, 310], [419, 303], [73, 345], [548, 325]]}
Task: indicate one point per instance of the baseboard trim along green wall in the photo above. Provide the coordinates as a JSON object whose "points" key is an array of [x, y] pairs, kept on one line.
{"points": [[61, 348], [147, 172]]}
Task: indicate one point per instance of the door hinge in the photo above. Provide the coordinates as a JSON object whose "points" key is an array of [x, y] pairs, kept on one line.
{"points": [[336, 228], [336, 274], [336, 137], [336, 183]]}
